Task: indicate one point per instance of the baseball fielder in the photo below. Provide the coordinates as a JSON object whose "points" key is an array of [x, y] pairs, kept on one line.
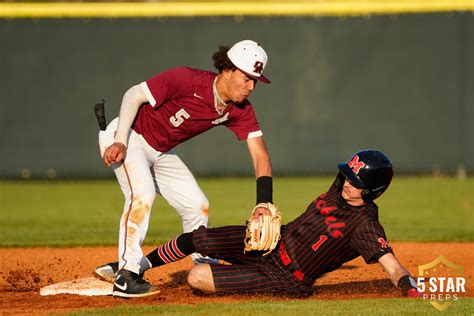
{"points": [[160, 113], [337, 226]]}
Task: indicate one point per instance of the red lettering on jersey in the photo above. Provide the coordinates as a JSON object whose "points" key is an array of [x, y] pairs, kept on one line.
{"points": [[383, 243], [333, 227], [332, 224], [334, 231], [318, 244], [320, 204], [327, 209], [356, 165], [258, 67], [329, 220]]}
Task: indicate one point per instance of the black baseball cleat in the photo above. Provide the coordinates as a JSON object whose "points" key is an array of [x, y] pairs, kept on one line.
{"points": [[107, 272], [129, 285]]}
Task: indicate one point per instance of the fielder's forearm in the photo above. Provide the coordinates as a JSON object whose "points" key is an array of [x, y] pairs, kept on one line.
{"points": [[263, 169], [263, 172], [260, 157], [131, 102]]}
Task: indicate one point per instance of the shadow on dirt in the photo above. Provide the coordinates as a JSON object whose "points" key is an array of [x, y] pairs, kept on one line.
{"points": [[177, 279], [380, 286]]}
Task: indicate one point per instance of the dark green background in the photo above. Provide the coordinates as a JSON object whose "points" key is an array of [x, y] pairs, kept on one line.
{"points": [[402, 84]]}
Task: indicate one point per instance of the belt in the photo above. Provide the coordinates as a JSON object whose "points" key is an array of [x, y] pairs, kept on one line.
{"points": [[288, 263]]}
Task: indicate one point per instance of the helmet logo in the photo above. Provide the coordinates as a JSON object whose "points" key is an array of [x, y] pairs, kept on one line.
{"points": [[356, 165]]}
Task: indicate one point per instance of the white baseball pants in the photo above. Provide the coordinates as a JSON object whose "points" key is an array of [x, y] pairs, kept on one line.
{"points": [[144, 173]]}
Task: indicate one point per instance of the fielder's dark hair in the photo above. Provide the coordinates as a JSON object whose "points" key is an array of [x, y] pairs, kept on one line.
{"points": [[221, 61]]}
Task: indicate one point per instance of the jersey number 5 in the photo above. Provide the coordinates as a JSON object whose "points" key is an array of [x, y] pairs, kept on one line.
{"points": [[179, 117]]}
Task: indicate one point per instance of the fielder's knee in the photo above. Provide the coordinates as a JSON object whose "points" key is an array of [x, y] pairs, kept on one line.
{"points": [[195, 214], [143, 202], [201, 206], [200, 278]]}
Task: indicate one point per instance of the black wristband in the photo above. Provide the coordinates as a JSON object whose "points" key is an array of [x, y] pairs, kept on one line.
{"points": [[406, 283], [264, 189]]}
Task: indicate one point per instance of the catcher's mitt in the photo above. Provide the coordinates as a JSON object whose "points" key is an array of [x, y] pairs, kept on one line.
{"points": [[263, 229]]}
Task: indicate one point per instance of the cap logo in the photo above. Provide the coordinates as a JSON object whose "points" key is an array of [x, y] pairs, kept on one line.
{"points": [[356, 165], [258, 67]]}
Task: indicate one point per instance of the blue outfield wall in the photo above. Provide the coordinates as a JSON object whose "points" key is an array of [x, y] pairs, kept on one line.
{"points": [[402, 84]]}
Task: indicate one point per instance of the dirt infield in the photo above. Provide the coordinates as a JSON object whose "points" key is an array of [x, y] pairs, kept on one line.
{"points": [[25, 271]]}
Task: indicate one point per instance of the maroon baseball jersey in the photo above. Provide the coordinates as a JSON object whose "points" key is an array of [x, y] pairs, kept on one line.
{"points": [[331, 232], [181, 106]]}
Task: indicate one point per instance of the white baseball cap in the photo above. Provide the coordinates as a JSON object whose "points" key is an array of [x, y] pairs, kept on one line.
{"points": [[250, 58]]}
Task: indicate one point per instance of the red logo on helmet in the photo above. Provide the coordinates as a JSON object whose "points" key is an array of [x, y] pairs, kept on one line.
{"points": [[356, 165], [258, 67]]}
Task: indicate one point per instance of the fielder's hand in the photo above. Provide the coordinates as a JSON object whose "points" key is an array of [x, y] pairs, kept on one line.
{"points": [[115, 153], [259, 211], [263, 228]]}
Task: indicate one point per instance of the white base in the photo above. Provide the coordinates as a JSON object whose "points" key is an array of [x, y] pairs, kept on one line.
{"points": [[86, 286]]}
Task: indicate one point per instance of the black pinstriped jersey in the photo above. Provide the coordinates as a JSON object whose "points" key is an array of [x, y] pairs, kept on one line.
{"points": [[331, 232]]}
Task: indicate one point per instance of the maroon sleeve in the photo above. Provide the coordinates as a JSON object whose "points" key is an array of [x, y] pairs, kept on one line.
{"points": [[244, 124], [169, 84], [370, 242]]}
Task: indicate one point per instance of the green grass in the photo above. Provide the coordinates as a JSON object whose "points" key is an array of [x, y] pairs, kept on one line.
{"points": [[87, 212], [464, 306]]}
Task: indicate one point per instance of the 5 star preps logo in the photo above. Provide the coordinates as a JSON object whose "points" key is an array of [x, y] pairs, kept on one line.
{"points": [[440, 282]]}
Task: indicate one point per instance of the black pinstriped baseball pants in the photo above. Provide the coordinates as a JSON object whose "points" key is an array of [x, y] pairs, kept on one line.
{"points": [[250, 272]]}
